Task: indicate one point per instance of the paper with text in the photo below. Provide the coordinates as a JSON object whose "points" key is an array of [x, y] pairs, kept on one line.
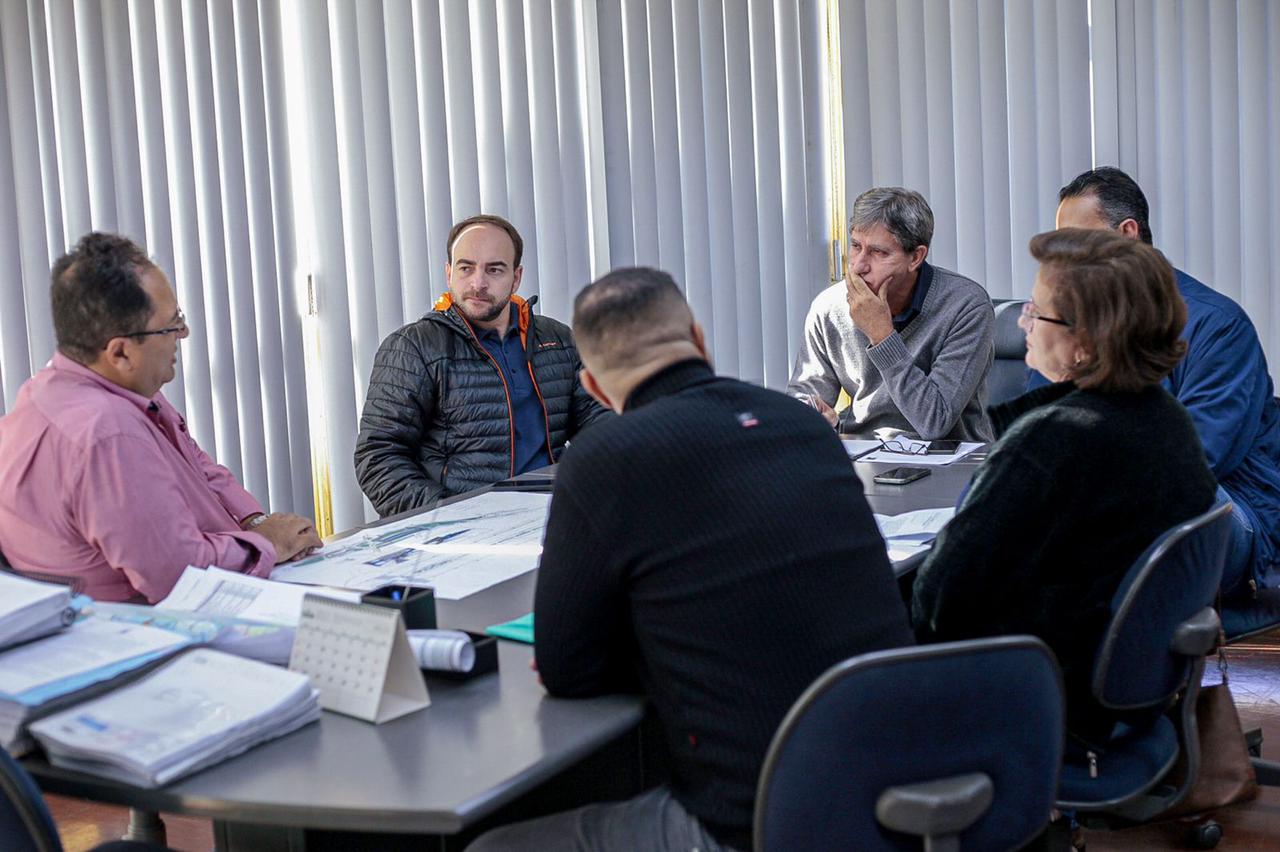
{"points": [[458, 550]]}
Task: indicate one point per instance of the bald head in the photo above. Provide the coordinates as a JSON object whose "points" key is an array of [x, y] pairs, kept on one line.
{"points": [[630, 324], [625, 317]]}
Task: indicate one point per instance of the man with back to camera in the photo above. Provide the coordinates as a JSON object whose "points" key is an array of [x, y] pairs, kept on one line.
{"points": [[477, 390], [911, 343], [99, 480], [1222, 381], [710, 548]]}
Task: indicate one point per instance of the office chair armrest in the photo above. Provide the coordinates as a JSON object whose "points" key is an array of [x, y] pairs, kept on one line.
{"points": [[946, 806], [1198, 635]]}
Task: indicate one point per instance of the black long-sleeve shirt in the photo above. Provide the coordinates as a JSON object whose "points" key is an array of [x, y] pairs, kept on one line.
{"points": [[1077, 487], [713, 548]]}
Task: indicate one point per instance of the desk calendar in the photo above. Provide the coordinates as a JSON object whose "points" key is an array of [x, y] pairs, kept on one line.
{"points": [[358, 656]]}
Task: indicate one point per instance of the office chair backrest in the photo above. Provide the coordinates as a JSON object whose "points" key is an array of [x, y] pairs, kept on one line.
{"points": [[1173, 580], [25, 823], [895, 718], [1008, 376]]}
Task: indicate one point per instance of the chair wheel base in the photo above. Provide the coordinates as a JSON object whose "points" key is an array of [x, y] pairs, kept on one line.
{"points": [[1204, 835]]}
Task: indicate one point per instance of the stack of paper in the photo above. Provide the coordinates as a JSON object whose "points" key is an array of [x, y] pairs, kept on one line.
{"points": [[191, 713], [257, 640], [92, 655], [912, 532], [214, 591], [30, 609]]}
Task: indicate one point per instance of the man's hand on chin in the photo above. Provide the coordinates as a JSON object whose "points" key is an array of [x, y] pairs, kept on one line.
{"points": [[869, 311]]}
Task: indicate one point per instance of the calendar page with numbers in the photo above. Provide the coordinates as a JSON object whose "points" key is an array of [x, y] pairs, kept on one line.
{"points": [[358, 656]]}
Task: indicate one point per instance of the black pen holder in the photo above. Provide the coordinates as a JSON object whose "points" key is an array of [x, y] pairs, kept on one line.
{"points": [[417, 604], [486, 659]]}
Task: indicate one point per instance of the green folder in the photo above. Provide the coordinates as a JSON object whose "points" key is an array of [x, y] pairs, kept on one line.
{"points": [[518, 629]]}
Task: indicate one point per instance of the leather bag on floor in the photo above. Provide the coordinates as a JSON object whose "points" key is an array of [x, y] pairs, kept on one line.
{"points": [[1226, 772]]}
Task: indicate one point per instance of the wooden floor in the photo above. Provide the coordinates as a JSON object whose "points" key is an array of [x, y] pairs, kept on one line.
{"points": [[1255, 683]]}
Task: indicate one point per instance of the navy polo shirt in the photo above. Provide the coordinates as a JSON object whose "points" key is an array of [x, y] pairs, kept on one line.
{"points": [[526, 408], [923, 280]]}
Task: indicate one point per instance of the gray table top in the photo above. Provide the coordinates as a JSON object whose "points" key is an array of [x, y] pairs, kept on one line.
{"points": [[480, 745]]}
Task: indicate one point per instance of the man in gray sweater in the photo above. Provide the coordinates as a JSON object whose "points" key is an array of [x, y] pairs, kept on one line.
{"points": [[910, 343]]}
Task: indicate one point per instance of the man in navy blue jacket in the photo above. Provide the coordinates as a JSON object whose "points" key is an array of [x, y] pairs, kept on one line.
{"points": [[1223, 382]]}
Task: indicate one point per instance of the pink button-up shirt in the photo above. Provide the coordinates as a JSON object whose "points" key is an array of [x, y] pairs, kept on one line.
{"points": [[104, 485]]}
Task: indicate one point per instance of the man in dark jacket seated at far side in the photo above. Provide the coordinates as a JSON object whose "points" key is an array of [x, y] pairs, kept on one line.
{"points": [[477, 390]]}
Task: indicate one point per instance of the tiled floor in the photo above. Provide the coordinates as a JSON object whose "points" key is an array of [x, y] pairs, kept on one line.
{"points": [[1255, 683]]}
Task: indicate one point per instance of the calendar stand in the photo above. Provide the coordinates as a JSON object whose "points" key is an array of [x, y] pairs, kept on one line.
{"points": [[359, 658]]}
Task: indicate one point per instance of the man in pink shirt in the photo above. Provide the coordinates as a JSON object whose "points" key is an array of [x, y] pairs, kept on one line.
{"points": [[99, 480]]}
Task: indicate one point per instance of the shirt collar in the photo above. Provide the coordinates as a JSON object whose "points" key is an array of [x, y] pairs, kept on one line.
{"points": [[64, 364], [512, 328], [923, 280]]}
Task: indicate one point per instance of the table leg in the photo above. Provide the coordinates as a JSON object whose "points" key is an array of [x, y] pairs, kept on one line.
{"points": [[146, 826]]}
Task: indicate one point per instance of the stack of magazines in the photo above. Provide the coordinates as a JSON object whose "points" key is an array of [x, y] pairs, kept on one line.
{"points": [[89, 657], [191, 713], [30, 609]]}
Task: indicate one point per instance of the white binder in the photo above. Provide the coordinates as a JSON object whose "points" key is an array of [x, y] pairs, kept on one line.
{"points": [[358, 656]]}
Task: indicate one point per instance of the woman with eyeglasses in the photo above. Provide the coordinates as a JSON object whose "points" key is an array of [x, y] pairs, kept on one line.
{"points": [[1086, 472]]}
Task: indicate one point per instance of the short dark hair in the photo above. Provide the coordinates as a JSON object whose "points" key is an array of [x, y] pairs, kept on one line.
{"points": [[1121, 299], [97, 294], [904, 212], [487, 219], [1119, 197], [626, 312]]}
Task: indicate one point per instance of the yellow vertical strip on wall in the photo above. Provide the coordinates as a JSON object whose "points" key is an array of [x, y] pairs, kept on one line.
{"points": [[321, 484], [835, 144]]}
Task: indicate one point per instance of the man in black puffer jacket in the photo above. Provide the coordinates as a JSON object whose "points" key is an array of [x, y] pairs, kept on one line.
{"points": [[477, 390]]}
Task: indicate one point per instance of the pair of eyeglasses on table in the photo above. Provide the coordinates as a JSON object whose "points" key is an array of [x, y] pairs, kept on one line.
{"points": [[916, 447], [913, 448]]}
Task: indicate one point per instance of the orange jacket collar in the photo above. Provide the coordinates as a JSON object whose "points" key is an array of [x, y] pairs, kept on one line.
{"points": [[523, 308]]}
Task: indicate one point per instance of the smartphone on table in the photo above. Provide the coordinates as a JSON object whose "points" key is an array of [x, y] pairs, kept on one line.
{"points": [[901, 475], [943, 448]]}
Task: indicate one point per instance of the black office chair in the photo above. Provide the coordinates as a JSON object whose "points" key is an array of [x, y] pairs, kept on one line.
{"points": [[955, 743], [1150, 664], [25, 823], [1008, 376]]}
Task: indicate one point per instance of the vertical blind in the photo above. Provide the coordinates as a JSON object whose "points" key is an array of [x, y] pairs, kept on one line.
{"points": [[295, 166], [156, 120], [980, 105], [1187, 100]]}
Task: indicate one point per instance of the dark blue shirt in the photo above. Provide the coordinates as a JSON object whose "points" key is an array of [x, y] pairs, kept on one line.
{"points": [[527, 415], [923, 280]]}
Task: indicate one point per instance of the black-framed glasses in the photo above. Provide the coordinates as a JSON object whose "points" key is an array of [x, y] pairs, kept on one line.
{"points": [[173, 329], [911, 448], [1030, 314]]}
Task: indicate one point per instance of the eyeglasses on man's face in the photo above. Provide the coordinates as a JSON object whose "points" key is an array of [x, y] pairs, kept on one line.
{"points": [[180, 328], [1030, 313]]}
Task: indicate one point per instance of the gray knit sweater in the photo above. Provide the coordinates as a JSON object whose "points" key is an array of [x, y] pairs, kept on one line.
{"points": [[930, 378]]}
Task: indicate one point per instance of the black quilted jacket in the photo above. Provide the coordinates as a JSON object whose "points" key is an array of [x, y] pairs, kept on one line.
{"points": [[437, 419]]}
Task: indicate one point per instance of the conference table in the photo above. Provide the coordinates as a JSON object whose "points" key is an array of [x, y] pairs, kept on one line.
{"points": [[487, 751]]}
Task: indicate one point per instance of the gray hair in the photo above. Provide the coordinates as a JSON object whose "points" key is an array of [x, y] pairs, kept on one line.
{"points": [[904, 212]]}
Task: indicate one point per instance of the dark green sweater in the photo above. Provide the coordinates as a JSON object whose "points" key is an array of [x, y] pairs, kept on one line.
{"points": [[713, 548], [1076, 488]]}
